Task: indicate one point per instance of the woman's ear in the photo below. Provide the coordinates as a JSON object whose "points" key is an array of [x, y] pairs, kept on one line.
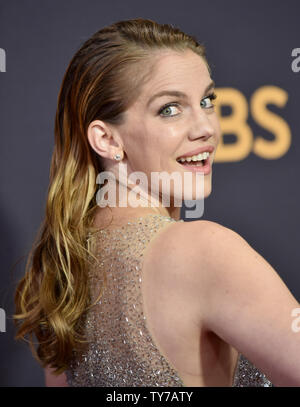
{"points": [[103, 139]]}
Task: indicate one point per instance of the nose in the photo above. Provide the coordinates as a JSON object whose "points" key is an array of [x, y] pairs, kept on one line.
{"points": [[201, 125]]}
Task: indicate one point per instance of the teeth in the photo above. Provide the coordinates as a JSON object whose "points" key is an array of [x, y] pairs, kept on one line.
{"points": [[198, 157]]}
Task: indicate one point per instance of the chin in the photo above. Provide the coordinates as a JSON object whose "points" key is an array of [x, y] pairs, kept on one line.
{"points": [[207, 194], [207, 189]]}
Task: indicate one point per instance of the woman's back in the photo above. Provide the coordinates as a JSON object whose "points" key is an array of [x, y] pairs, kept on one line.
{"points": [[143, 334]]}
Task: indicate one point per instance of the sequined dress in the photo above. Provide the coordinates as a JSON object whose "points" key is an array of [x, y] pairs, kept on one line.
{"points": [[121, 351]]}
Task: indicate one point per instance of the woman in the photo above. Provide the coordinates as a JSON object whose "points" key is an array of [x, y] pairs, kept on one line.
{"points": [[127, 295]]}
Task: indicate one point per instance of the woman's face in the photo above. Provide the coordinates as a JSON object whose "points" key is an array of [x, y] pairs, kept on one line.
{"points": [[155, 136]]}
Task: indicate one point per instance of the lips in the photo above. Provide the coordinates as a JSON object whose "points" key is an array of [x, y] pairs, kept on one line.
{"points": [[205, 168], [199, 150]]}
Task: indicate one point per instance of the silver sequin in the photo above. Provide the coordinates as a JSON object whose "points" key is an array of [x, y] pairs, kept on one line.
{"points": [[121, 351], [247, 375]]}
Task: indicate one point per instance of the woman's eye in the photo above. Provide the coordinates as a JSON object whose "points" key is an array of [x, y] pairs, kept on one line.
{"points": [[208, 100], [167, 109], [206, 103]]}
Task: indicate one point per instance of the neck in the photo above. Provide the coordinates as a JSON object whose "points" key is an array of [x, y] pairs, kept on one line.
{"points": [[125, 199]]}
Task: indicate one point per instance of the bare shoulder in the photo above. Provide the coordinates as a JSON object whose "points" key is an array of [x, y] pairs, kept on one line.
{"points": [[233, 291], [200, 245], [212, 261], [185, 241], [52, 380], [177, 259], [189, 232]]}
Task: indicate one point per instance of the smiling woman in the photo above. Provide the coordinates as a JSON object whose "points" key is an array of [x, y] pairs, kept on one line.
{"points": [[130, 295]]}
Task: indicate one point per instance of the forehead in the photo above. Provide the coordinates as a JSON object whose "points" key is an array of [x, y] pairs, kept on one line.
{"points": [[173, 69]]}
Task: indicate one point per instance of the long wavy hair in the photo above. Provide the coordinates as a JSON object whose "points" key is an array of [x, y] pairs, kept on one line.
{"points": [[102, 80]]}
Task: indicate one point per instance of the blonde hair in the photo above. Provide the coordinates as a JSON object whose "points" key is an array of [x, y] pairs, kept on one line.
{"points": [[101, 82]]}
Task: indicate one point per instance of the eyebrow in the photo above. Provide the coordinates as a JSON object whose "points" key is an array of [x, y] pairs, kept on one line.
{"points": [[177, 93]]}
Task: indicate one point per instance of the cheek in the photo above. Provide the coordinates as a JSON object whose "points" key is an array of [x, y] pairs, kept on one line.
{"points": [[149, 144], [217, 126], [141, 150]]}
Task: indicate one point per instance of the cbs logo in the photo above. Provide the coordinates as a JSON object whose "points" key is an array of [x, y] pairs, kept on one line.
{"points": [[236, 124]]}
